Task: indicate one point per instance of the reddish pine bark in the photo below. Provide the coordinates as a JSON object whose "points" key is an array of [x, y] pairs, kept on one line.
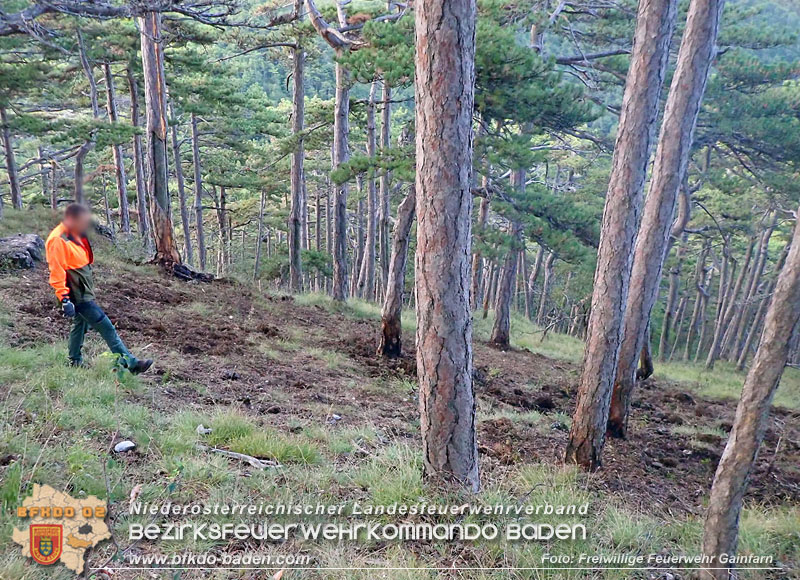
{"points": [[618, 230], [445, 80]]}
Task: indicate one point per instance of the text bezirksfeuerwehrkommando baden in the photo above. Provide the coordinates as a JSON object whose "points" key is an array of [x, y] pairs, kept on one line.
{"points": [[273, 530], [354, 531]]}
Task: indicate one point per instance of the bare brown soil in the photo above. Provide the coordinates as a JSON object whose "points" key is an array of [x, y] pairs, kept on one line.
{"points": [[221, 344]]}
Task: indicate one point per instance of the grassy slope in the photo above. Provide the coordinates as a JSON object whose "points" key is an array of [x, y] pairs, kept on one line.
{"points": [[57, 424], [721, 383]]}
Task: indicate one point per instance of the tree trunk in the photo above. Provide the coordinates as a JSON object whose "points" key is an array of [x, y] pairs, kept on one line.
{"points": [[366, 278], [751, 287], [80, 158], [724, 277], [444, 213], [391, 328], [138, 164], [491, 281], [526, 297], [53, 185], [318, 235], [646, 368], [355, 290], [329, 220], [731, 267], [752, 414], [541, 316], [669, 311], [106, 206], [733, 332], [654, 26], [224, 233], [259, 239], [341, 153], [694, 323], [298, 204], [755, 330], [198, 195], [760, 313], [383, 193], [680, 314], [734, 304], [156, 137], [43, 171], [477, 259], [534, 275], [11, 162], [187, 235], [737, 339], [730, 330], [116, 149], [703, 325], [89, 144], [696, 53], [519, 282], [564, 303], [501, 331]]}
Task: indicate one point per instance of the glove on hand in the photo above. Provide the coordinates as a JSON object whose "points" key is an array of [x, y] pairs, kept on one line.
{"points": [[68, 308]]}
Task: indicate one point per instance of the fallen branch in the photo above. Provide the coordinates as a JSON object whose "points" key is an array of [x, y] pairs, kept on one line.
{"points": [[254, 461]]}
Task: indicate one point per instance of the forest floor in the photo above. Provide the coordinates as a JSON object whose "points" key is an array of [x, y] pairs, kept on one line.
{"points": [[296, 380]]}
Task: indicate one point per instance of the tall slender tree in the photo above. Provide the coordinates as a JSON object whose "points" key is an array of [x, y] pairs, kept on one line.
{"points": [[143, 218], [116, 149], [198, 194], [366, 278], [445, 73], [341, 149], [501, 331], [654, 25], [181, 183], [695, 56], [89, 143], [11, 161], [298, 189], [721, 531], [384, 211], [155, 92], [391, 314]]}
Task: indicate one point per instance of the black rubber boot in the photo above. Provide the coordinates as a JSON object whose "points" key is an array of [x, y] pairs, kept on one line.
{"points": [[140, 366]]}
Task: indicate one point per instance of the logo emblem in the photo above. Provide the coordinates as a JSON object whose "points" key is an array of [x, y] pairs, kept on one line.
{"points": [[46, 543]]}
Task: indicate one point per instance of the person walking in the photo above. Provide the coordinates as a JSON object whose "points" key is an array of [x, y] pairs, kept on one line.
{"points": [[70, 258]]}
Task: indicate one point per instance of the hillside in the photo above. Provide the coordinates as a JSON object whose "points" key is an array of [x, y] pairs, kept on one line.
{"points": [[294, 380]]}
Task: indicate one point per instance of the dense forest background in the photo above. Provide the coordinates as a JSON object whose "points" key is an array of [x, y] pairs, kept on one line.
{"points": [[549, 82], [254, 169]]}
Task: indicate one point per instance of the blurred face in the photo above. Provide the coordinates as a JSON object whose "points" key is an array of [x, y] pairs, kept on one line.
{"points": [[79, 224]]}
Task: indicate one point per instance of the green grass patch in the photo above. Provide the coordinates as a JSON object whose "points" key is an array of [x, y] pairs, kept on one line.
{"points": [[527, 335], [394, 475], [354, 308], [38, 220], [725, 382], [333, 360], [236, 432], [271, 445]]}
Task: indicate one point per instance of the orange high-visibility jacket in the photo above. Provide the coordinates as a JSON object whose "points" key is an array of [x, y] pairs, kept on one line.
{"points": [[70, 260]]}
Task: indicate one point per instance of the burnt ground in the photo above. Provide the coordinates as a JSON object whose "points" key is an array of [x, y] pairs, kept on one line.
{"points": [[224, 344]]}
